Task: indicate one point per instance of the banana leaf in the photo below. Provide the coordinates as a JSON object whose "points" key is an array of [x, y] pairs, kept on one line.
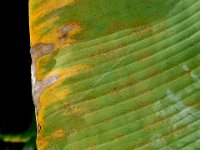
{"points": [[116, 74]]}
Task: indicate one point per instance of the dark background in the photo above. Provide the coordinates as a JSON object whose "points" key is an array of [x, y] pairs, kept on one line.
{"points": [[16, 106]]}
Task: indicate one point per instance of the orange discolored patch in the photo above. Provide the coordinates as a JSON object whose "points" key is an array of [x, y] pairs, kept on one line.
{"points": [[42, 144], [58, 134]]}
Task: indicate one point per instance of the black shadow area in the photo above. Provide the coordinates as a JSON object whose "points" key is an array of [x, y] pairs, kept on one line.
{"points": [[16, 106]]}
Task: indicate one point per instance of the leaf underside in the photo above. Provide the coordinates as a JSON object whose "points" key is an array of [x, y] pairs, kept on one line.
{"points": [[116, 75]]}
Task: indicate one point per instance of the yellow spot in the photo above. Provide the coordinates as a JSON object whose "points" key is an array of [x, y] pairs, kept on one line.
{"points": [[58, 134]]}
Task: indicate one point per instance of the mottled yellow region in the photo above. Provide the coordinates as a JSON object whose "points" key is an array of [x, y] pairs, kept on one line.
{"points": [[50, 96], [36, 31], [58, 134], [60, 42], [53, 93], [55, 36], [40, 75], [47, 7]]}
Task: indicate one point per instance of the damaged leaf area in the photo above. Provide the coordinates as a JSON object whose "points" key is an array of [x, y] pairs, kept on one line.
{"points": [[116, 74]]}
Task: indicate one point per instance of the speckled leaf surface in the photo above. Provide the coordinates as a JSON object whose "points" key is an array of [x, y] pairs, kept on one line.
{"points": [[116, 74]]}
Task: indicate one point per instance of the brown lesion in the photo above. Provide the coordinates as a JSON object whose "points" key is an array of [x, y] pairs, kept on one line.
{"points": [[142, 55], [172, 132], [118, 136], [128, 83], [40, 50], [142, 104], [141, 29], [67, 30], [153, 72], [191, 102], [116, 26]]}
